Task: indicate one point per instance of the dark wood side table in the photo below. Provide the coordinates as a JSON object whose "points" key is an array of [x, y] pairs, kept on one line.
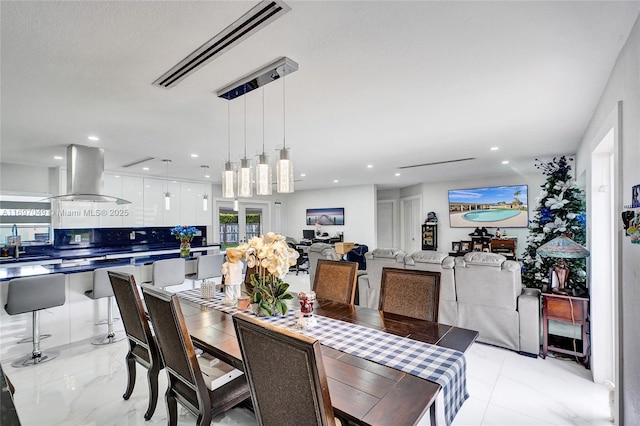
{"points": [[572, 310]]}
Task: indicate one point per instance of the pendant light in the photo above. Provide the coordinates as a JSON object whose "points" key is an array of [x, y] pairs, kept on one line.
{"points": [[228, 172], [167, 195], [263, 169], [284, 166], [245, 172]]}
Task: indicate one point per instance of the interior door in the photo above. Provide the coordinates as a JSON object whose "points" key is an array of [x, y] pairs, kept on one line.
{"points": [[410, 225], [385, 224]]}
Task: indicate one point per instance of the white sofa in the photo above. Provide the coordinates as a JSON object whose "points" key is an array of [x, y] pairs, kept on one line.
{"points": [[493, 301], [480, 291]]}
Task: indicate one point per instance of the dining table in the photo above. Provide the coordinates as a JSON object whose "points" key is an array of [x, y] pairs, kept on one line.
{"points": [[362, 390]]}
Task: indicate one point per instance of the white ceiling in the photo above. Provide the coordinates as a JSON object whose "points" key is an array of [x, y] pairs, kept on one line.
{"points": [[383, 83]]}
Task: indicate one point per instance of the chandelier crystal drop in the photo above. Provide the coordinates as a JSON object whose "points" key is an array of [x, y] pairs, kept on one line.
{"points": [[245, 172], [263, 169], [228, 171], [284, 166]]}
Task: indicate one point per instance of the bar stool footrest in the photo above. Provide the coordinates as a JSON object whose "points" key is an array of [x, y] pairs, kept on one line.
{"points": [[30, 339], [108, 339], [32, 359]]}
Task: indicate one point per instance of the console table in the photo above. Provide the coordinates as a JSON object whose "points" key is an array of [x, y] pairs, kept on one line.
{"points": [[504, 246], [568, 309]]}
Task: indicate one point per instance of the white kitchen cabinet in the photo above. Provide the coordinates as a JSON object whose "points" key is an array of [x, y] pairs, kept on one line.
{"points": [[154, 190], [133, 190], [188, 203], [113, 213]]}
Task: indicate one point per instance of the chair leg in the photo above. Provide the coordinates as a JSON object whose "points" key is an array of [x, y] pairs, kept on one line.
{"points": [[204, 418], [36, 356], [131, 376], [172, 407], [111, 336], [152, 379]]}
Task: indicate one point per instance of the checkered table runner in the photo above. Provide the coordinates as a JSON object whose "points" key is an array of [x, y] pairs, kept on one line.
{"points": [[444, 366]]}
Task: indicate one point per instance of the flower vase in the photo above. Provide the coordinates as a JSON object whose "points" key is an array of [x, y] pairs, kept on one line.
{"points": [[185, 249]]}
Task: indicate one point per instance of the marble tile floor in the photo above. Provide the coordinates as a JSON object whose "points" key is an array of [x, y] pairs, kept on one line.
{"points": [[84, 386]]}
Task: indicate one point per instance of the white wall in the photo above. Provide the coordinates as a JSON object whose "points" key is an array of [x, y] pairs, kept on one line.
{"points": [[435, 198], [623, 85], [359, 203], [25, 180]]}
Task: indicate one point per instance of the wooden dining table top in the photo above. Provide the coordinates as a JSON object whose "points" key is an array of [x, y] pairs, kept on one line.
{"points": [[362, 391]]}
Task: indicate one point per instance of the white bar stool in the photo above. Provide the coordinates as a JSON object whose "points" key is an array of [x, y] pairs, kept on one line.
{"points": [[208, 266], [101, 289], [32, 294], [168, 272]]}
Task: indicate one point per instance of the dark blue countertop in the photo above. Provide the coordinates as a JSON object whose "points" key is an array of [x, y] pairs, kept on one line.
{"points": [[37, 265]]}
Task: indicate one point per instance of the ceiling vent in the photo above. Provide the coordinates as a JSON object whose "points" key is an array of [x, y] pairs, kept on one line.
{"points": [[437, 162], [251, 22], [136, 162], [273, 71]]}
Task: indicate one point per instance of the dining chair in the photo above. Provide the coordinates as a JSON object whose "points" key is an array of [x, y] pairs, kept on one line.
{"points": [[336, 280], [411, 293], [285, 373], [143, 348], [205, 396]]}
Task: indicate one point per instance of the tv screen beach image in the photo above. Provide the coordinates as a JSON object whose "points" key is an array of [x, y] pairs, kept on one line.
{"points": [[496, 206]]}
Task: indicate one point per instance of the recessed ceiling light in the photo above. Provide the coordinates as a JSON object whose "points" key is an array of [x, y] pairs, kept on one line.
{"points": [[505, 162], [58, 157], [145, 168], [117, 176], [194, 155], [336, 181], [369, 166], [397, 174], [173, 181], [303, 174], [207, 176], [495, 148], [93, 138]]}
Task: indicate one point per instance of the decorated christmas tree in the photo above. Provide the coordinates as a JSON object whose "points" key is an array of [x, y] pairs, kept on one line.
{"points": [[560, 211]]}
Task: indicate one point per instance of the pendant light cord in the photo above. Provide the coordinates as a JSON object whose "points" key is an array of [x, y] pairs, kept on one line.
{"points": [[284, 120], [263, 120], [229, 130], [245, 122]]}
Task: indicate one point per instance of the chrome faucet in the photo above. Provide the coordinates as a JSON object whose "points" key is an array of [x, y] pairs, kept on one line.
{"points": [[16, 241]]}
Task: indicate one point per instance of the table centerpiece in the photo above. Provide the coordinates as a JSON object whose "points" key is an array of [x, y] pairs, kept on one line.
{"points": [[272, 257], [185, 234]]}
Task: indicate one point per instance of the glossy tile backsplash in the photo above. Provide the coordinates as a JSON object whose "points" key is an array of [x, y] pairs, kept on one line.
{"points": [[143, 238]]}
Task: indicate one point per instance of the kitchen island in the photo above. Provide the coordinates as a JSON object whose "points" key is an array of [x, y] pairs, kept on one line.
{"points": [[79, 318]]}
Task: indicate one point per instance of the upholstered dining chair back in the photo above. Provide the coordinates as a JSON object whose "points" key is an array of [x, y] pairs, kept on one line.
{"points": [[272, 356], [411, 293], [142, 345], [186, 382], [320, 251], [336, 280]]}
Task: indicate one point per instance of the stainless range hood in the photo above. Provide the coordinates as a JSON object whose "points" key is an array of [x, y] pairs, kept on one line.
{"points": [[85, 176]]}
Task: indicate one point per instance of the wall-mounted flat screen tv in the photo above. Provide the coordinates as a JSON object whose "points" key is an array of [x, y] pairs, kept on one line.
{"points": [[494, 206], [325, 216]]}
